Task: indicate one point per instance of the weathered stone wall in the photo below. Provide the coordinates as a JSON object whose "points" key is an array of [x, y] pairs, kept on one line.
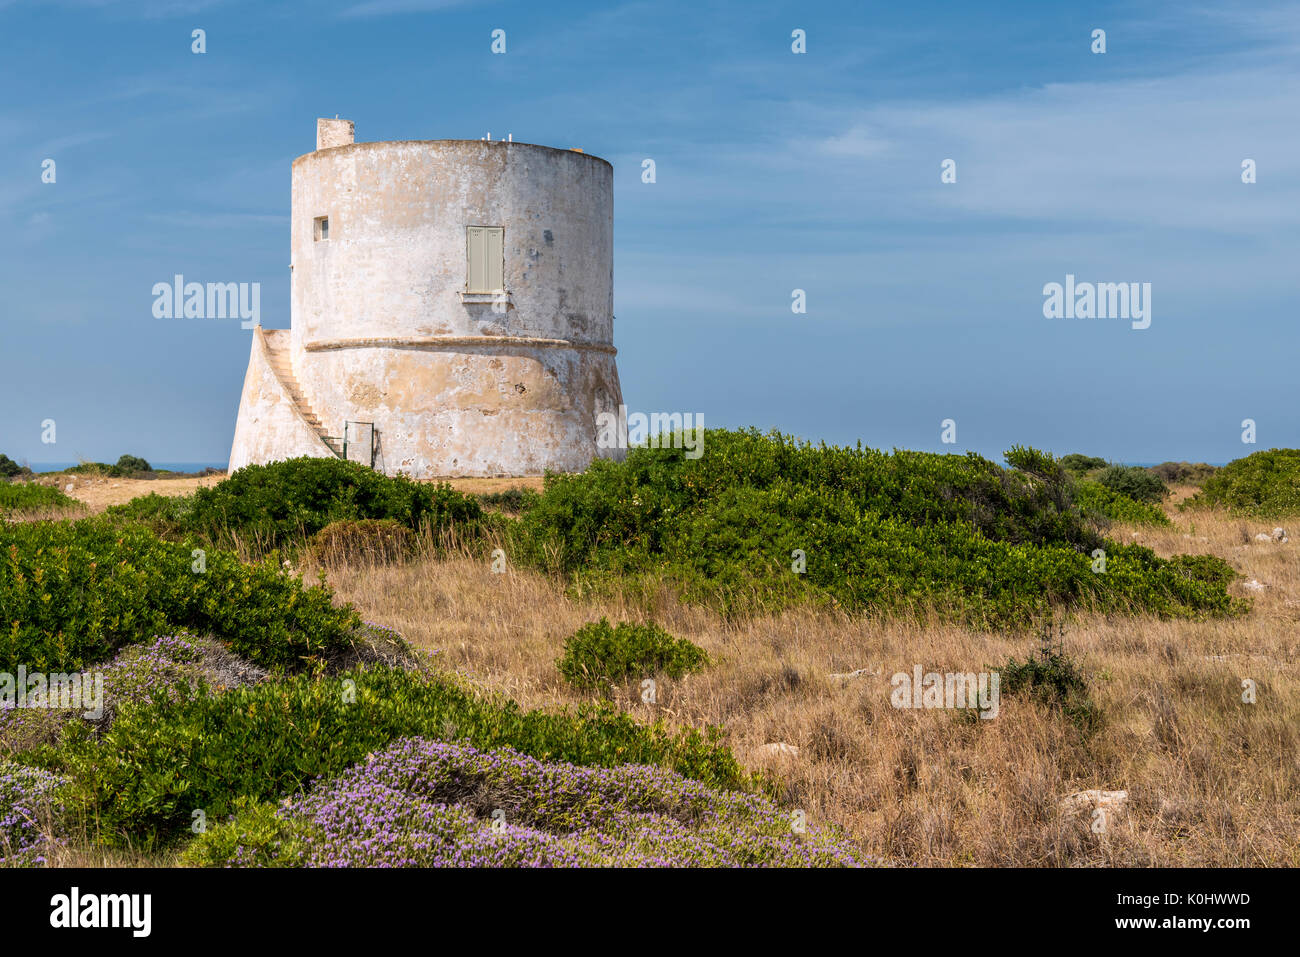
{"points": [[269, 426]]}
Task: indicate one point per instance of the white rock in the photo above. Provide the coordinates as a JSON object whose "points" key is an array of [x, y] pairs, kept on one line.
{"points": [[1263, 537], [1279, 535], [1085, 802], [848, 675], [779, 748], [1253, 585]]}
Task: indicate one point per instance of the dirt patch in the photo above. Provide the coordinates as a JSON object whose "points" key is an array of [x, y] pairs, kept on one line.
{"points": [[99, 492]]}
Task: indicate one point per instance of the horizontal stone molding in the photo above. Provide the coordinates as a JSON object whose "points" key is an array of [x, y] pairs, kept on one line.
{"points": [[456, 342]]}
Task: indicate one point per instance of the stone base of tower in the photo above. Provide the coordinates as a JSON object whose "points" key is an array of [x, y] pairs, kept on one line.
{"points": [[440, 407], [469, 406], [271, 426]]}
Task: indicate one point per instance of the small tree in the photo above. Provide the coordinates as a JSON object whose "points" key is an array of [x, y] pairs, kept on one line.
{"points": [[133, 463]]}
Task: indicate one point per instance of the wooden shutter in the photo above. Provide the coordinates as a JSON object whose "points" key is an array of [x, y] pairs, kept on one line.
{"points": [[485, 249]]}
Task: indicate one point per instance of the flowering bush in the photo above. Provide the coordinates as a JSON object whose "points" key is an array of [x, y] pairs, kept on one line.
{"points": [[132, 676], [29, 800], [159, 762], [422, 803]]}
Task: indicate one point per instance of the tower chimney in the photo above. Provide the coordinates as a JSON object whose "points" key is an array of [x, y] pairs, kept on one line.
{"points": [[335, 132]]}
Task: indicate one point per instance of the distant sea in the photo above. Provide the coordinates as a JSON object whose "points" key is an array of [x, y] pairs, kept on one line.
{"points": [[168, 466]]}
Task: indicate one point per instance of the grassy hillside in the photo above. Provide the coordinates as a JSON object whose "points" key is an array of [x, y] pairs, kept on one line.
{"points": [[713, 636]]}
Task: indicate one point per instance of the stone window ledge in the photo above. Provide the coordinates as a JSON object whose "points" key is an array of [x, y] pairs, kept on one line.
{"points": [[484, 298]]}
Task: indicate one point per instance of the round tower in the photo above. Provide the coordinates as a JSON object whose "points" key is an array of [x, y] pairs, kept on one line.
{"points": [[456, 295]]}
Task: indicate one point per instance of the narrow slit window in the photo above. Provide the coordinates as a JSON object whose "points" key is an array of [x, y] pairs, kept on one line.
{"points": [[321, 229], [485, 248]]}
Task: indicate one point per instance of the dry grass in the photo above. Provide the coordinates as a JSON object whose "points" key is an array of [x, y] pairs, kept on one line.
{"points": [[98, 492], [1212, 781], [46, 514]]}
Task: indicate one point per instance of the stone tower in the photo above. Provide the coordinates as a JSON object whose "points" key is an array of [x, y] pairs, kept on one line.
{"points": [[452, 311]]}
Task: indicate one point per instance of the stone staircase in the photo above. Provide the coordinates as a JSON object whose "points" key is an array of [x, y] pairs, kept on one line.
{"points": [[277, 347]]}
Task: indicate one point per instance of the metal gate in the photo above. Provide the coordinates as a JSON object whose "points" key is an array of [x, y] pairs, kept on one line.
{"points": [[359, 443]]}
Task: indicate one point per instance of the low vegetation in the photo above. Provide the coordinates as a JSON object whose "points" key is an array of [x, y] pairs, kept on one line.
{"points": [[1105, 505], [1080, 465], [9, 468], [75, 592], [1263, 485], [1137, 483], [424, 803], [799, 578], [379, 540], [1051, 677], [24, 497], [512, 501], [1182, 473], [599, 654], [125, 467], [263, 507], [763, 521], [190, 749]]}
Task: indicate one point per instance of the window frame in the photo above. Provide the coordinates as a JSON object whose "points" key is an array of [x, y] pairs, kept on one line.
{"points": [[487, 271]]}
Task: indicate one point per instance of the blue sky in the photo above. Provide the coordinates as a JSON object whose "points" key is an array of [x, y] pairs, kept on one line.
{"points": [[775, 172]]}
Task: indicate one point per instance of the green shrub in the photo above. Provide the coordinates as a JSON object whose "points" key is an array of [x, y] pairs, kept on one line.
{"points": [[159, 762], [29, 496], [9, 468], [1137, 483], [162, 513], [128, 464], [598, 654], [1182, 473], [263, 507], [1081, 464], [1265, 485], [903, 531], [512, 500], [1052, 678], [1096, 499], [257, 834], [74, 592], [96, 468]]}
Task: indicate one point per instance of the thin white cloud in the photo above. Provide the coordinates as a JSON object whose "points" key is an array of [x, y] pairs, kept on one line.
{"points": [[385, 8]]}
